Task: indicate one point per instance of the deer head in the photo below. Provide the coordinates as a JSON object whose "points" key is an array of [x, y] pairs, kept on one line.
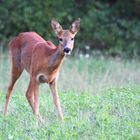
{"points": [[66, 37]]}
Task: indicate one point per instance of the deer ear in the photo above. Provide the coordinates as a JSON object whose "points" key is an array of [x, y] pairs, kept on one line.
{"points": [[57, 28], [75, 27]]}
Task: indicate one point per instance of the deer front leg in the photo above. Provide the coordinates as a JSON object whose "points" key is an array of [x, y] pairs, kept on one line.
{"points": [[36, 101], [53, 87]]}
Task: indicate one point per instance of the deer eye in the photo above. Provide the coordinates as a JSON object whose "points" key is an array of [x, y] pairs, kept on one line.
{"points": [[72, 38], [60, 39]]}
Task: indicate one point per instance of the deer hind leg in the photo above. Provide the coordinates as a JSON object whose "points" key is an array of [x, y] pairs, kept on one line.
{"points": [[16, 72], [30, 94]]}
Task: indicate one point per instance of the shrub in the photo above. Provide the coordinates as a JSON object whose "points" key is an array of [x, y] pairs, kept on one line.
{"points": [[108, 25]]}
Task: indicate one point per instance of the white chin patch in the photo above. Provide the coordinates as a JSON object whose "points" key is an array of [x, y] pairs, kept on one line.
{"points": [[68, 53]]}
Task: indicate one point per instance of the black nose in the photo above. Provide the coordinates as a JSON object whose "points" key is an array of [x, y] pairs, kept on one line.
{"points": [[67, 50]]}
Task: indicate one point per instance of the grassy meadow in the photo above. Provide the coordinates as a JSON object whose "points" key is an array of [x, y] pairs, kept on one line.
{"points": [[100, 100]]}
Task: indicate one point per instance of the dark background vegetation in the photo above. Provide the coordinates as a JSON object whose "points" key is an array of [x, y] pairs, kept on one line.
{"points": [[110, 26]]}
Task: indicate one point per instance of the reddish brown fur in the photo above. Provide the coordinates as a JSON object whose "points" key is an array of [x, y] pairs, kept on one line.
{"points": [[42, 59]]}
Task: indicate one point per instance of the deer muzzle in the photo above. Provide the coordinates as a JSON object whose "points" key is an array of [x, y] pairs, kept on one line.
{"points": [[67, 50]]}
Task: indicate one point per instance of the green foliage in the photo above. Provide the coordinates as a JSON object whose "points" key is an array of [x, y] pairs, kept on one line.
{"points": [[114, 28], [107, 25], [100, 100], [113, 114]]}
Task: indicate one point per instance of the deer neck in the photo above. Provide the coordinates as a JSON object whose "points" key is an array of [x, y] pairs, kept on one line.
{"points": [[57, 57]]}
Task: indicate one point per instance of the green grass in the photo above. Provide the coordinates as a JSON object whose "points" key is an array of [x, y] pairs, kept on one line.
{"points": [[100, 100]]}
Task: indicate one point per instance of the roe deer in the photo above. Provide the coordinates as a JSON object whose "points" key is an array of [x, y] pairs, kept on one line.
{"points": [[42, 60]]}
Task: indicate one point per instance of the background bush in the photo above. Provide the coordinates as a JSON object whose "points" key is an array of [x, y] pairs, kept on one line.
{"points": [[111, 26]]}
